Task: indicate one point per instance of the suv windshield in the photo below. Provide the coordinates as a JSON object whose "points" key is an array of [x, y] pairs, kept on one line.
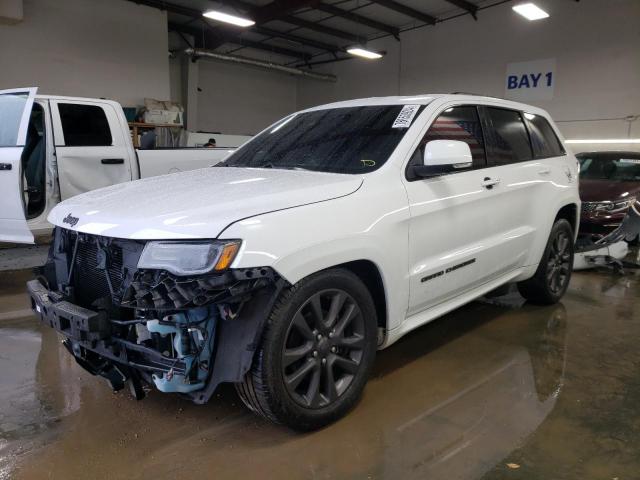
{"points": [[620, 167], [340, 140]]}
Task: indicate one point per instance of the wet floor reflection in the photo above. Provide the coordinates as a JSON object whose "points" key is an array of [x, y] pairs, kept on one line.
{"points": [[491, 384]]}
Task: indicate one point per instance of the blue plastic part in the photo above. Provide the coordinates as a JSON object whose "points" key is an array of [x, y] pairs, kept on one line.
{"points": [[199, 320]]}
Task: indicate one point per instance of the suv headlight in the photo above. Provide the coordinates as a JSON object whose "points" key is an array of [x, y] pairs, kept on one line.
{"points": [[189, 258], [615, 207]]}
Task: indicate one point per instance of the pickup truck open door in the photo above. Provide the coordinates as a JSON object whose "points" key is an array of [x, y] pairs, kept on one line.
{"points": [[15, 111]]}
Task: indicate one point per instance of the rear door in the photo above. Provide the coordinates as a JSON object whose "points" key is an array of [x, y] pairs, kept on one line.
{"points": [[91, 148], [15, 109]]}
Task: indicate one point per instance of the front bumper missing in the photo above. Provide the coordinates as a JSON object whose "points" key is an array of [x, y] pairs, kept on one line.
{"points": [[233, 330], [88, 338]]}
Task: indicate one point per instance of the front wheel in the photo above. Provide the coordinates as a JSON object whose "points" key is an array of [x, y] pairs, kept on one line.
{"points": [[316, 353], [551, 279]]}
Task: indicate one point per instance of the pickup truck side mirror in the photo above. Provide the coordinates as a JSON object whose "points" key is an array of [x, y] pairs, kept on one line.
{"points": [[443, 156]]}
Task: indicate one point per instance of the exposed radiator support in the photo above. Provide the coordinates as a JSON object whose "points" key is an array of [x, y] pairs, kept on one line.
{"points": [[198, 52]]}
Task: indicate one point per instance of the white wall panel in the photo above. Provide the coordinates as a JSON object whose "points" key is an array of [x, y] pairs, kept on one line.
{"points": [[94, 48], [242, 100]]}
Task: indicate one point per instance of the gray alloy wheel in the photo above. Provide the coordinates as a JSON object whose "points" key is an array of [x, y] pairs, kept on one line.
{"points": [[552, 277], [316, 352], [323, 348], [559, 263]]}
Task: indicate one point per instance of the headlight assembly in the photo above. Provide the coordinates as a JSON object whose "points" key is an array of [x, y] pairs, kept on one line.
{"points": [[189, 257], [615, 207]]}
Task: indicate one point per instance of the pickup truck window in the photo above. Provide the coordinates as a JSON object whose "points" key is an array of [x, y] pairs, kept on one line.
{"points": [[12, 106], [84, 125], [510, 140], [339, 140]]}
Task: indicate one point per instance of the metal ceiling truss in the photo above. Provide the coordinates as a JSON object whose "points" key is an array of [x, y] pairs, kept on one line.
{"points": [[408, 11], [354, 17], [211, 36], [465, 5]]}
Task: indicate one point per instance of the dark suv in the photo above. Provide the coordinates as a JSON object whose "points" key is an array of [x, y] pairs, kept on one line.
{"points": [[609, 185]]}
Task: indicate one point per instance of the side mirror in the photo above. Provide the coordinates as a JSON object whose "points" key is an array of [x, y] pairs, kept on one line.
{"points": [[443, 156]]}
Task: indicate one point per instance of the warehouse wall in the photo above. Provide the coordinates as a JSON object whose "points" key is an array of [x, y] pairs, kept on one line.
{"points": [[595, 44], [238, 99], [95, 48]]}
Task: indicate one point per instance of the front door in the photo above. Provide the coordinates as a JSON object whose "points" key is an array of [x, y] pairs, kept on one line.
{"points": [[91, 148], [15, 109], [456, 219]]}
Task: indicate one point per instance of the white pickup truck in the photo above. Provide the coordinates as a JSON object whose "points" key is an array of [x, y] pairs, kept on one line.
{"points": [[53, 148], [332, 233]]}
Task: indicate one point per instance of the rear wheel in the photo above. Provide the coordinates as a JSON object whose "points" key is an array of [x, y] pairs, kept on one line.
{"points": [[316, 353], [551, 279]]}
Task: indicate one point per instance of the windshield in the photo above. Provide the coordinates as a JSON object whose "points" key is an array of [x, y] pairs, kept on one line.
{"points": [[621, 167], [12, 106], [340, 140]]}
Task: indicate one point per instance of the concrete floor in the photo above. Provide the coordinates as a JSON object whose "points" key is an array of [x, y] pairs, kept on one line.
{"points": [[494, 390]]}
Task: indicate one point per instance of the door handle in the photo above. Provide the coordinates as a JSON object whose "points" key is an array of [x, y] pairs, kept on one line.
{"points": [[112, 161], [5, 166], [544, 171], [489, 183]]}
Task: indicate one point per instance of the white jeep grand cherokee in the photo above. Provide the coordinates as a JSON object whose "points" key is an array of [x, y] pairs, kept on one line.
{"points": [[331, 234]]}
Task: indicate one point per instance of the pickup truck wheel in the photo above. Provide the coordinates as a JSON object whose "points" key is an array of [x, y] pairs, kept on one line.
{"points": [[316, 353], [551, 279]]}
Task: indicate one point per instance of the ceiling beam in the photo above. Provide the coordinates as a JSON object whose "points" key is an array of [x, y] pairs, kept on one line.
{"points": [[316, 27], [408, 11], [277, 9], [297, 39], [197, 15], [354, 17], [212, 39], [282, 9], [465, 5]]}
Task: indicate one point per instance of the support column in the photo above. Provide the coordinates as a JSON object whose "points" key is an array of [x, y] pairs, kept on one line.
{"points": [[190, 75]]}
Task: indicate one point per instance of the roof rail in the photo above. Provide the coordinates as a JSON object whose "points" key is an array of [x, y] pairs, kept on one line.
{"points": [[478, 95]]}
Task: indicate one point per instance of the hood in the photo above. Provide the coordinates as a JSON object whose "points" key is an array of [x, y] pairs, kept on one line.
{"points": [[196, 204], [603, 190]]}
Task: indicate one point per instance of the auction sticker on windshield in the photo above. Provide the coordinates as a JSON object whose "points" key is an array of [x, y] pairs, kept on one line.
{"points": [[405, 117]]}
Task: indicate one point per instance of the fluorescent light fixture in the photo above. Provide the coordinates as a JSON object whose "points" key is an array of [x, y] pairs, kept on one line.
{"points": [[605, 140], [226, 18], [530, 11], [361, 52]]}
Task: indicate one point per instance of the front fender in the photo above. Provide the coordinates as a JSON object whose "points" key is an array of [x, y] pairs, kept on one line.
{"points": [[371, 224]]}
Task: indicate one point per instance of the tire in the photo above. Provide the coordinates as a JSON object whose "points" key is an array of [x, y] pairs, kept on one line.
{"points": [[552, 277], [318, 347]]}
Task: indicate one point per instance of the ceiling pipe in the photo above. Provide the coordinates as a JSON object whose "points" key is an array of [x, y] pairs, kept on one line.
{"points": [[199, 52]]}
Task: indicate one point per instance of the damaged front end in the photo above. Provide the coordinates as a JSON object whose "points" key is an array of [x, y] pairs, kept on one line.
{"points": [[179, 332]]}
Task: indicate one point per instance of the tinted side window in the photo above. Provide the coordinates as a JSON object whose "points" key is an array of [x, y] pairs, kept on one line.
{"points": [[84, 125], [458, 123], [509, 139], [544, 141]]}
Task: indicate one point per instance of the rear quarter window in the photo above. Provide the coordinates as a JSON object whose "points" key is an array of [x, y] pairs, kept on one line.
{"points": [[509, 137], [544, 140]]}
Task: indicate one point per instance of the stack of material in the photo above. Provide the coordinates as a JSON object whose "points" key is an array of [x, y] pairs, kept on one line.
{"points": [[163, 112]]}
